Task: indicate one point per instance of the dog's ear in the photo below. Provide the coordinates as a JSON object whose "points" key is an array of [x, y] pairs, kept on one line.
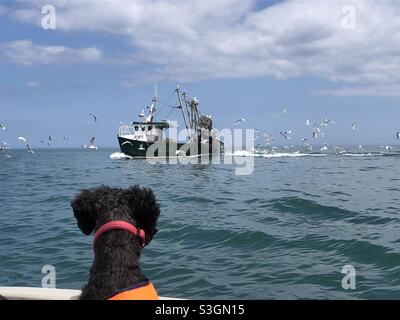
{"points": [[86, 210], [144, 208]]}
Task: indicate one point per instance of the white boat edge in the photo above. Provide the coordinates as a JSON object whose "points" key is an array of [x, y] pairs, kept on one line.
{"points": [[32, 293]]}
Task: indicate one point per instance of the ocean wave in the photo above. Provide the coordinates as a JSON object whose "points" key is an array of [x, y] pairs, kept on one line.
{"points": [[246, 153], [119, 155]]}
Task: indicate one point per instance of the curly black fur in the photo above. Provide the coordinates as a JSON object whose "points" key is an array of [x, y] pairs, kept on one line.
{"points": [[117, 253]]}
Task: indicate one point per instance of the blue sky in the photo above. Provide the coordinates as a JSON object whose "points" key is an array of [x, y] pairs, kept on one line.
{"points": [[241, 59]]}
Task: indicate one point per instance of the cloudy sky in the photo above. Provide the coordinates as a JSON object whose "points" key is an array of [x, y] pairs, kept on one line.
{"points": [[250, 59]]}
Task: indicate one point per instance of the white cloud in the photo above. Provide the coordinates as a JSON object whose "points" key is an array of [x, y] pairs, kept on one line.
{"points": [[194, 40], [3, 9], [33, 84], [375, 90], [24, 52]]}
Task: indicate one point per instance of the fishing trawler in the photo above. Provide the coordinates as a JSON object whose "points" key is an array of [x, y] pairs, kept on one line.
{"points": [[147, 138]]}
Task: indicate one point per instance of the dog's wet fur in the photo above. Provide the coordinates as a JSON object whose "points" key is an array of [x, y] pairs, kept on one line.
{"points": [[117, 252]]}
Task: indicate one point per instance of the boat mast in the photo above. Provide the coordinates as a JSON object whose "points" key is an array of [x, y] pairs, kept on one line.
{"points": [[178, 91], [149, 118]]}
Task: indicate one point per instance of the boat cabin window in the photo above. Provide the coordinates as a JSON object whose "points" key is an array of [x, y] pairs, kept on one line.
{"points": [[136, 128], [150, 127], [142, 128]]}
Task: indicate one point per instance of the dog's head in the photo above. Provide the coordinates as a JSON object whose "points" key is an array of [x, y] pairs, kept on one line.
{"points": [[135, 205]]}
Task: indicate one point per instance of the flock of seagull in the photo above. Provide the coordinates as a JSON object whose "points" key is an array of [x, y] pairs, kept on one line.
{"points": [[4, 146], [317, 130]]}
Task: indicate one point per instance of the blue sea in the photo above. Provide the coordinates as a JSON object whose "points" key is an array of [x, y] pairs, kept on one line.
{"points": [[283, 232]]}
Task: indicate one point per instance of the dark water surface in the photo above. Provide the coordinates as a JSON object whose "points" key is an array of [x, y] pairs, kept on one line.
{"points": [[284, 231]]}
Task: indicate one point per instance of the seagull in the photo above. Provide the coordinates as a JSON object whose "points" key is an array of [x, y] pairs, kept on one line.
{"points": [[142, 114], [22, 139], [274, 116], [3, 127], [307, 123], [3, 150], [29, 149], [66, 138], [286, 134], [398, 135], [353, 126], [284, 112], [94, 117], [361, 147], [325, 147], [239, 121], [84, 146], [326, 122], [92, 144], [268, 138], [339, 150], [50, 138], [5, 144], [388, 148], [47, 142], [315, 135]]}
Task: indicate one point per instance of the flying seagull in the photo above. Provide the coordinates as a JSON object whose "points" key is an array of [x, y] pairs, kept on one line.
{"points": [[325, 147], [22, 139], [94, 117], [307, 123], [353, 126], [66, 138], [3, 150], [286, 134], [29, 149], [3, 127], [326, 122], [47, 142], [268, 138], [92, 144], [239, 121], [398, 135]]}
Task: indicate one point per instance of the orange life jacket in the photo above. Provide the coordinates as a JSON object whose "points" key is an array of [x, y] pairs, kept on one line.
{"points": [[141, 292]]}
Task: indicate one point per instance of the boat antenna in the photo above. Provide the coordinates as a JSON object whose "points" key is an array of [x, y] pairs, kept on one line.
{"points": [[155, 91]]}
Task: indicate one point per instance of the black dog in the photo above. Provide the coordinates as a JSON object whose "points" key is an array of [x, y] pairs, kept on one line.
{"points": [[115, 268]]}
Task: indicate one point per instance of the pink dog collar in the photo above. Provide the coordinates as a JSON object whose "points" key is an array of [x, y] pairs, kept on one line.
{"points": [[120, 225]]}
